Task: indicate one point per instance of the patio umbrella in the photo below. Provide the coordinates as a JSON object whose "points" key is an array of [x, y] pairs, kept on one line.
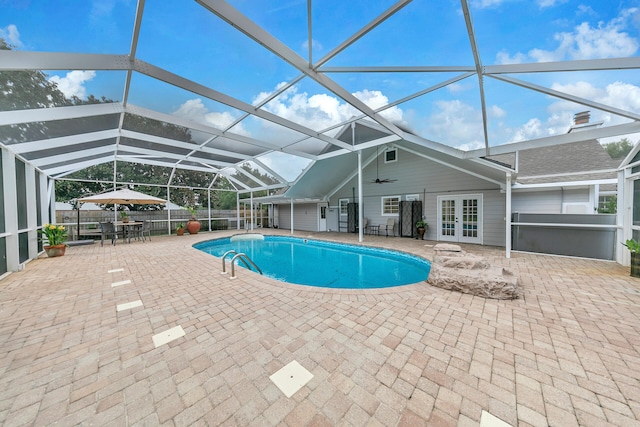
{"points": [[123, 196]]}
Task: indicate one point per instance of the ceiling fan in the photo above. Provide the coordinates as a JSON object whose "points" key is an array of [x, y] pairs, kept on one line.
{"points": [[378, 180]]}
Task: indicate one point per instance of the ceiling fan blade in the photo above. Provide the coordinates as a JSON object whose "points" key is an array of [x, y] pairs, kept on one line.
{"points": [[383, 181], [378, 180]]}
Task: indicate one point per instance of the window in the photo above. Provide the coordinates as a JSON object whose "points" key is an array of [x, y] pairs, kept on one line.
{"points": [[390, 205], [391, 155], [607, 203], [342, 203]]}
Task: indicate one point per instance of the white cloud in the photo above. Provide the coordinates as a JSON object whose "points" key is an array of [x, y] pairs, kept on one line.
{"points": [[549, 3], [11, 35], [321, 111], [606, 40], [496, 112], [102, 9], [73, 83], [620, 95], [457, 122], [532, 129], [483, 4], [195, 110], [457, 88], [315, 44], [288, 166], [585, 10], [503, 57], [581, 89]]}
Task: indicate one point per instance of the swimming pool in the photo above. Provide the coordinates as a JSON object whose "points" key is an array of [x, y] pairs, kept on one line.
{"points": [[324, 264]]}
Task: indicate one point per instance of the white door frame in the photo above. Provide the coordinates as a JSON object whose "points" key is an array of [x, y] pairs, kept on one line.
{"points": [[322, 219], [461, 223]]}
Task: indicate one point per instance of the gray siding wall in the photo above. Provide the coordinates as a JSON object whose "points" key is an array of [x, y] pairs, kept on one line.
{"points": [[305, 216], [549, 202], [427, 179]]}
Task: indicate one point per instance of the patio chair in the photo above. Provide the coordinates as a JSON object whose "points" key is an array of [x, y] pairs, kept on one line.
{"points": [[144, 229], [391, 225], [108, 229], [365, 225]]}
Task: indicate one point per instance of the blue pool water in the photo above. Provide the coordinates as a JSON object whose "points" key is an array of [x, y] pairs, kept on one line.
{"points": [[324, 264]]}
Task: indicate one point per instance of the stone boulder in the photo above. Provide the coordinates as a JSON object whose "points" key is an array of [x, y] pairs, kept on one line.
{"points": [[454, 269]]}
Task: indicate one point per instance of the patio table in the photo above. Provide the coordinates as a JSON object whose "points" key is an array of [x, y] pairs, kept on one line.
{"points": [[126, 234]]}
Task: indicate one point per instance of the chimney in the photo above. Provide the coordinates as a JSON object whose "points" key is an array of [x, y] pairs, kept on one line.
{"points": [[581, 118]]}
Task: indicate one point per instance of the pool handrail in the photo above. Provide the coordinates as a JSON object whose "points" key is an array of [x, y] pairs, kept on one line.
{"points": [[240, 256], [244, 258]]}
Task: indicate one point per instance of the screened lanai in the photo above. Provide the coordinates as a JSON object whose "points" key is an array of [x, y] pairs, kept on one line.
{"points": [[250, 94]]}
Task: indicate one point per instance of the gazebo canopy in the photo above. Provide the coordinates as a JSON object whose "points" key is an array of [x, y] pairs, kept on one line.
{"points": [[211, 85]]}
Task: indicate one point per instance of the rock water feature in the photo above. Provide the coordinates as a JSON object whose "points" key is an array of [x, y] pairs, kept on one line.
{"points": [[456, 270]]}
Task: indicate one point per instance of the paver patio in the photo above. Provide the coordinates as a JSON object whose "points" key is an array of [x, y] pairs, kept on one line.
{"points": [[567, 353]]}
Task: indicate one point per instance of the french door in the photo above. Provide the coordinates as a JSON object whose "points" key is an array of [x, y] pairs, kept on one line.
{"points": [[460, 218]]}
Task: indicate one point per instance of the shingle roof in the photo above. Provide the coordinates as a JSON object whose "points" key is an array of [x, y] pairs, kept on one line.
{"points": [[570, 161]]}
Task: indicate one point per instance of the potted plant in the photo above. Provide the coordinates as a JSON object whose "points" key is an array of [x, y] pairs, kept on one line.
{"points": [[180, 229], [193, 225], [422, 227], [124, 216], [55, 237], [634, 247]]}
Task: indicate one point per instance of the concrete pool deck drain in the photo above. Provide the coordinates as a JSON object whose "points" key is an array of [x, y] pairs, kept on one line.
{"points": [[291, 378], [120, 283], [129, 305], [488, 420], [168, 336]]}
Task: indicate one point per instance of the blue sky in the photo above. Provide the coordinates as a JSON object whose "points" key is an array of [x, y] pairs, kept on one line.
{"points": [[184, 38]]}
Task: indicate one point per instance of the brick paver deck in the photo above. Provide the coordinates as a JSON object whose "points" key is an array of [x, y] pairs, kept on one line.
{"points": [[567, 353]]}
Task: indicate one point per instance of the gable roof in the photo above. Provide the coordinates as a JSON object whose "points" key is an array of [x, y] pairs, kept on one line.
{"points": [[328, 174], [577, 161]]}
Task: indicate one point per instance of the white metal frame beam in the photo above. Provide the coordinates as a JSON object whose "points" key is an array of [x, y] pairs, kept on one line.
{"points": [[568, 97], [361, 32], [559, 66], [184, 145], [42, 162], [63, 141], [250, 29], [20, 60], [58, 113], [191, 86], [604, 132], [478, 64]]}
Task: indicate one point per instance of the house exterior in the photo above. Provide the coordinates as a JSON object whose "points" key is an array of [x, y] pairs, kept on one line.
{"points": [[467, 200], [573, 178]]}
